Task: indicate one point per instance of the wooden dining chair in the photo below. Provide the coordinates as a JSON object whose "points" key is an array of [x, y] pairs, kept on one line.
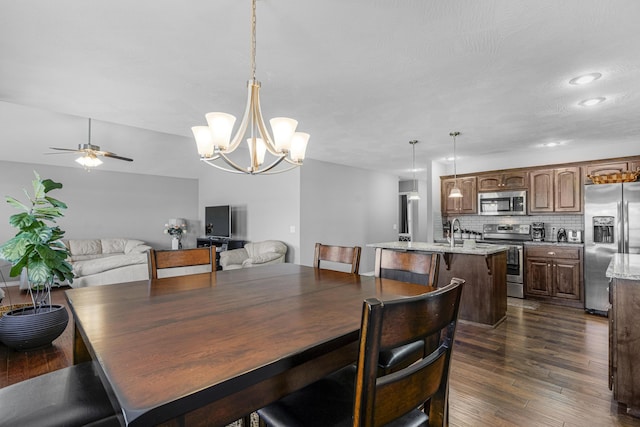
{"points": [[358, 395], [413, 267], [338, 254], [409, 266], [173, 259]]}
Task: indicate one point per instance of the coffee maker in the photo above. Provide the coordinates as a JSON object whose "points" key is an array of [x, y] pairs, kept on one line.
{"points": [[537, 231]]}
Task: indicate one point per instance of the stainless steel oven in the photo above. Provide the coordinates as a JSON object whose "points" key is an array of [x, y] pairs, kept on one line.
{"points": [[503, 203], [513, 237]]}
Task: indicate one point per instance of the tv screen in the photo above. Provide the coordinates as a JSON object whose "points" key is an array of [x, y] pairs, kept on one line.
{"points": [[217, 221]]}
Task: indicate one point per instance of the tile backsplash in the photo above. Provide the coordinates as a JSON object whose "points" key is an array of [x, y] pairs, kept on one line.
{"points": [[475, 222]]}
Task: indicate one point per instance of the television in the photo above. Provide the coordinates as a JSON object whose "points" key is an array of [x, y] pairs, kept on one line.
{"points": [[217, 221]]}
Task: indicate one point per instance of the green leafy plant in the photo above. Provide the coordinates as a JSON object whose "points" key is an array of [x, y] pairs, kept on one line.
{"points": [[37, 246]]}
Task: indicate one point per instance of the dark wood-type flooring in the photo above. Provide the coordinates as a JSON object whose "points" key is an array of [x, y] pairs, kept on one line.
{"points": [[545, 365]]}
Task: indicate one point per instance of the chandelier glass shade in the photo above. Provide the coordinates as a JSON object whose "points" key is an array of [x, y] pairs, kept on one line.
{"points": [[413, 195], [216, 141], [455, 191]]}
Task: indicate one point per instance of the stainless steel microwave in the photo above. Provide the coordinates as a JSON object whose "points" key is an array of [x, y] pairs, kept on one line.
{"points": [[503, 203]]}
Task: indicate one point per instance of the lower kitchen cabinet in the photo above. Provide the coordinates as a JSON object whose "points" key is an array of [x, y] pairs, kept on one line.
{"points": [[555, 274], [624, 343]]}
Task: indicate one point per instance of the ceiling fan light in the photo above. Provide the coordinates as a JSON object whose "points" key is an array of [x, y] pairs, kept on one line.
{"points": [[89, 161], [220, 126], [455, 193]]}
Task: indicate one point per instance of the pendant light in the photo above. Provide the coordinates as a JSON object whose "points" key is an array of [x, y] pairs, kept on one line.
{"points": [[455, 191], [413, 195]]}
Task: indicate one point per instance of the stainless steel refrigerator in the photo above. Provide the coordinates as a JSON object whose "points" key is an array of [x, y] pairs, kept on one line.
{"points": [[611, 224]]}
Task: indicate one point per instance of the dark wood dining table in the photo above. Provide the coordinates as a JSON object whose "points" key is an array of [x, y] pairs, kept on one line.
{"points": [[207, 349]]}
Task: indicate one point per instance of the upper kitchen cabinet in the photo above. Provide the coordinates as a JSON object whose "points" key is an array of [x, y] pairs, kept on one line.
{"points": [[503, 181], [467, 204], [608, 168], [555, 190]]}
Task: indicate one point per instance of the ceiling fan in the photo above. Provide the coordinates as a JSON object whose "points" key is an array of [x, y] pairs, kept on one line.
{"points": [[90, 153]]}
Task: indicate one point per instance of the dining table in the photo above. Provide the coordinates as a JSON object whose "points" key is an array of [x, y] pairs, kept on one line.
{"points": [[209, 349]]}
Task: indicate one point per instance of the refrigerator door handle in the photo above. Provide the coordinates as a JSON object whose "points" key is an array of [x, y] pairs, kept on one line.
{"points": [[619, 228], [625, 222]]}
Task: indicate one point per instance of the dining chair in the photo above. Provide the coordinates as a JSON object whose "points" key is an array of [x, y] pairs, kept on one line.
{"points": [[177, 262], [409, 266], [413, 267], [359, 395], [338, 254]]}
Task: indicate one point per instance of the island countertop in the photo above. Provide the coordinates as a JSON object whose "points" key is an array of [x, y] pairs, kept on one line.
{"points": [[479, 249], [624, 266]]}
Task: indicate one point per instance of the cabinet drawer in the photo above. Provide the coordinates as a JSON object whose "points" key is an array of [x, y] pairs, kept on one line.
{"points": [[553, 251]]}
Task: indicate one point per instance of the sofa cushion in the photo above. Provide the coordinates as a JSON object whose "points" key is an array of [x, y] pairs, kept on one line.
{"points": [[84, 247], [98, 265], [256, 249], [135, 246], [111, 246]]}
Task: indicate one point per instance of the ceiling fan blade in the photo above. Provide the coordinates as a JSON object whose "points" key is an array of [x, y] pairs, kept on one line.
{"points": [[65, 149], [114, 156]]}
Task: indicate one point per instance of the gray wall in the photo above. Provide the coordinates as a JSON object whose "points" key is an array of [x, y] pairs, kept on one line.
{"points": [[346, 206], [106, 204], [265, 207]]}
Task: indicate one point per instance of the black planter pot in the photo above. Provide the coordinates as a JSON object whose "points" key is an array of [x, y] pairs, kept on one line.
{"points": [[22, 329]]}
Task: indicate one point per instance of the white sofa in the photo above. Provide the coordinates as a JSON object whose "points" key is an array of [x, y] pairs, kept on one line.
{"points": [[253, 255], [105, 261]]}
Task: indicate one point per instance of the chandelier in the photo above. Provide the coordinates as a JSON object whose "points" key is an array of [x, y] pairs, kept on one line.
{"points": [[215, 143], [455, 191]]}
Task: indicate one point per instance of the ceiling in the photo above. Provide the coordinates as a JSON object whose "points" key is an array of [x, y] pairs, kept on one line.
{"points": [[363, 77]]}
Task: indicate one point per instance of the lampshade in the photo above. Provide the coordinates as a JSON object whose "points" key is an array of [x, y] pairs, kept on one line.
{"points": [[220, 126], [455, 192], [283, 129], [413, 195], [261, 149], [299, 146], [204, 142]]}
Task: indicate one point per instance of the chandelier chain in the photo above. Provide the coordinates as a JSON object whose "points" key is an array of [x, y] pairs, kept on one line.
{"points": [[253, 40]]}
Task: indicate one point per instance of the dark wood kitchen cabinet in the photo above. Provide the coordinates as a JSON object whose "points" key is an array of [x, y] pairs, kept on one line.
{"points": [[555, 190], [467, 204], [624, 343], [503, 181], [554, 273], [609, 168]]}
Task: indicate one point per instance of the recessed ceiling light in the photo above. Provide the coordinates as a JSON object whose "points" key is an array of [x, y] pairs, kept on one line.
{"points": [[550, 144], [450, 159], [587, 78], [591, 102]]}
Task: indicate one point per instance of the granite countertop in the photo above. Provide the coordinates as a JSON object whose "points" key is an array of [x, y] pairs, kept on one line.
{"points": [[480, 249], [624, 266], [532, 243]]}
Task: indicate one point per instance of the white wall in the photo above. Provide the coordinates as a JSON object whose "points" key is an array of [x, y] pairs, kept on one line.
{"points": [[265, 207], [348, 207], [106, 204]]}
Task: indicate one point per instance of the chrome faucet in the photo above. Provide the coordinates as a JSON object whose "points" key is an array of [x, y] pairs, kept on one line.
{"points": [[452, 231]]}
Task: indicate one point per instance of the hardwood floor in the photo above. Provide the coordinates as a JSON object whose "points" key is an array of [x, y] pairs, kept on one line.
{"points": [[545, 365]]}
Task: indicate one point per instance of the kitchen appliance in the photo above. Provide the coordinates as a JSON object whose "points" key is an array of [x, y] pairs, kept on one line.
{"points": [[574, 236], [611, 224], [562, 235], [502, 203], [537, 231], [513, 237]]}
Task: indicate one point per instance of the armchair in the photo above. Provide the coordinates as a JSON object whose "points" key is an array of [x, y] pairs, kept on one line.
{"points": [[253, 255]]}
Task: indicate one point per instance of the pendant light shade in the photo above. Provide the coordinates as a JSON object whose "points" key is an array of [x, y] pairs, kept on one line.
{"points": [[455, 192]]}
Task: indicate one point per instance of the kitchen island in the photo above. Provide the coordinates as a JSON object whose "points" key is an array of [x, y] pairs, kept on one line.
{"points": [[484, 267], [624, 334]]}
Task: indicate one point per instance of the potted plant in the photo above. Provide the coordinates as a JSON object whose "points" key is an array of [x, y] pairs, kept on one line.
{"points": [[37, 250]]}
